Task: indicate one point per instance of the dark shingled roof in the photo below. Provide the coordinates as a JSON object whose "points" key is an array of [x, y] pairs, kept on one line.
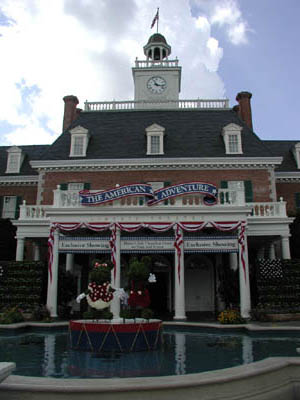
{"points": [[283, 148], [33, 152], [188, 133], [156, 38]]}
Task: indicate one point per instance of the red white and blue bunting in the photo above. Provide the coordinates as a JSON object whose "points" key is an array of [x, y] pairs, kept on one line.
{"points": [[155, 227], [209, 191]]}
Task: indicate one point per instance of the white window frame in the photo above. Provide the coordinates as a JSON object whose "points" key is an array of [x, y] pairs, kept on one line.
{"points": [[155, 130], [79, 133], [77, 186], [14, 160], [230, 131], [8, 211], [296, 153]]}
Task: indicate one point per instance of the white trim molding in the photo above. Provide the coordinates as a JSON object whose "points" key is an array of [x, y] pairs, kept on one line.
{"points": [[287, 176], [15, 158], [296, 154], [232, 139], [79, 141], [19, 180], [155, 139], [154, 163]]}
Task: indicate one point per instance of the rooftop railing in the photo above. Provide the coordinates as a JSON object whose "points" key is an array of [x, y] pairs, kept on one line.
{"points": [[129, 105]]}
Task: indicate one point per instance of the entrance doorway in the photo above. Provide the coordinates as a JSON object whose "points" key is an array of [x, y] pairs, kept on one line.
{"points": [[199, 284]]}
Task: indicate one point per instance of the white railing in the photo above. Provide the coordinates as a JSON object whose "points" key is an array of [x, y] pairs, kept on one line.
{"points": [[226, 198], [33, 212], [156, 64], [266, 209], [131, 105]]}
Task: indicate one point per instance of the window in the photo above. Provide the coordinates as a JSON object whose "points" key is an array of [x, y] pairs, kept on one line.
{"points": [[79, 141], [296, 153], [9, 206], [155, 139], [239, 186], [232, 139], [14, 160], [75, 186], [297, 201]]}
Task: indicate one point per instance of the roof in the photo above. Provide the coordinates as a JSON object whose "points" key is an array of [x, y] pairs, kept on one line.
{"points": [[32, 152], [188, 133], [157, 38], [284, 149]]}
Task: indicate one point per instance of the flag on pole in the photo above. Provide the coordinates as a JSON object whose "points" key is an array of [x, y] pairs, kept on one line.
{"points": [[155, 18]]}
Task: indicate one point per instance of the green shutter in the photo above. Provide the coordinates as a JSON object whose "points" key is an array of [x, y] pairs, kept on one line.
{"points": [[17, 211], [63, 186], [1, 206], [297, 200], [223, 196], [166, 184], [248, 191], [86, 186]]}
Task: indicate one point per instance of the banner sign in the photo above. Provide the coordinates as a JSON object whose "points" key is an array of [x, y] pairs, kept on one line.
{"points": [[209, 191], [219, 244]]}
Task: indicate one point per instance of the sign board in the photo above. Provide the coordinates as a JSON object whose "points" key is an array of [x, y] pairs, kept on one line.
{"points": [[221, 244]]}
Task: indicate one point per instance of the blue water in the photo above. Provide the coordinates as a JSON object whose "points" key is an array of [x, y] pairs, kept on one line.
{"points": [[183, 352]]}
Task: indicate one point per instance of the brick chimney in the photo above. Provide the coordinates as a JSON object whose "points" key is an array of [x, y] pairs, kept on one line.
{"points": [[70, 111], [244, 110]]}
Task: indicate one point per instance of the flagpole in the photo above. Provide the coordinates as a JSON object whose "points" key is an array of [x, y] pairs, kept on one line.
{"points": [[157, 20]]}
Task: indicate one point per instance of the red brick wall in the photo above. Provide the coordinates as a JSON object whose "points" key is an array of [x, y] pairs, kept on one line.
{"points": [[106, 179], [27, 193], [287, 191]]}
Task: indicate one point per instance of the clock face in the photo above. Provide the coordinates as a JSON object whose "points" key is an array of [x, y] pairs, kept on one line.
{"points": [[156, 84]]}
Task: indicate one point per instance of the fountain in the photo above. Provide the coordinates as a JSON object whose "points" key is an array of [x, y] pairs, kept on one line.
{"points": [[135, 331]]}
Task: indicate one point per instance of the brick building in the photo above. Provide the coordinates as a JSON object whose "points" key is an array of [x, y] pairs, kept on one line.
{"points": [[187, 182]]}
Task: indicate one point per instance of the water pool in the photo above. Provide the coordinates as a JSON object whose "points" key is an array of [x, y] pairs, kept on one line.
{"points": [[184, 351]]}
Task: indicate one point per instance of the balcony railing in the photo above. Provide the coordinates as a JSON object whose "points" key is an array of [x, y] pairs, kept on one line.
{"points": [[70, 199], [156, 63], [148, 105]]}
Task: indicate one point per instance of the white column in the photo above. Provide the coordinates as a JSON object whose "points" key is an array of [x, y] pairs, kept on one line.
{"points": [[115, 305], [285, 248], [245, 299], [179, 286], [272, 255], [233, 260], [20, 249], [70, 262], [36, 253], [52, 286]]}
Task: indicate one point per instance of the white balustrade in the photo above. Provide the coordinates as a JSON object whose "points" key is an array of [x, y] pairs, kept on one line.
{"points": [[148, 104], [226, 198], [156, 63]]}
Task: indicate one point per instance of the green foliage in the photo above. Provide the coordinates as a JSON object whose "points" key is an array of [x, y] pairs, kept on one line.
{"points": [[147, 313], [21, 283], [67, 287], [138, 271], [11, 316], [40, 313], [127, 313], [97, 314], [7, 240], [101, 271]]}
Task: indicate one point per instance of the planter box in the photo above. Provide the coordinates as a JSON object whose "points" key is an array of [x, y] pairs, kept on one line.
{"points": [[284, 317]]}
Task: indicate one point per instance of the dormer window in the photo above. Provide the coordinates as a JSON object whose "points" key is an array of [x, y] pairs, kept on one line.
{"points": [[155, 139], [296, 153], [79, 141], [14, 160], [232, 139]]}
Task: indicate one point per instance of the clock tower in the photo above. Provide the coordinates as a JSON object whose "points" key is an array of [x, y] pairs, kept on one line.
{"points": [[157, 79]]}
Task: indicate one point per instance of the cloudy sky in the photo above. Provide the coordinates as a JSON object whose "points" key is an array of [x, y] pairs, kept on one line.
{"points": [[50, 49]]}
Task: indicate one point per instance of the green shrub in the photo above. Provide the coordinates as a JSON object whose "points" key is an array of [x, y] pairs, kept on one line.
{"points": [[230, 316], [11, 316]]}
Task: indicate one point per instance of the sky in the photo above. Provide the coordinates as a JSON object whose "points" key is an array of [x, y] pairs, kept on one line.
{"points": [[86, 48]]}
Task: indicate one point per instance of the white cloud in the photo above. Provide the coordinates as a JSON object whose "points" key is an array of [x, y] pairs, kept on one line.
{"points": [[225, 14], [87, 48]]}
